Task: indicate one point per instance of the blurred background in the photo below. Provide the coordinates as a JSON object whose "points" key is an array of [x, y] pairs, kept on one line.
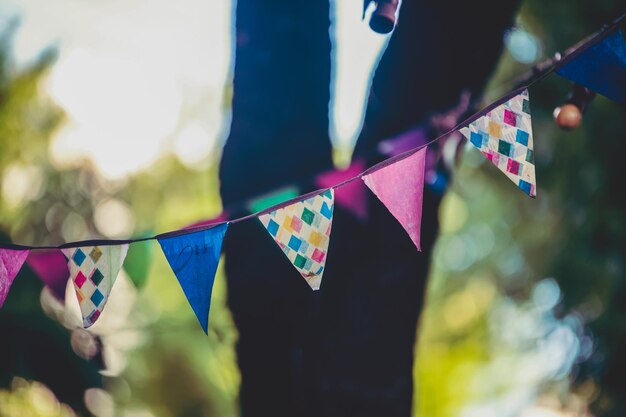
{"points": [[113, 115]]}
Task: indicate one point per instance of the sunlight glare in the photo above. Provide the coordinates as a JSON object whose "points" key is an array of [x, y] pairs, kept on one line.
{"points": [[116, 115], [130, 75], [356, 51]]}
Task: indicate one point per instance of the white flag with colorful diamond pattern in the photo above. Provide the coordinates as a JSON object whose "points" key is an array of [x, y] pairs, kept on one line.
{"points": [[302, 231], [505, 136], [93, 270]]}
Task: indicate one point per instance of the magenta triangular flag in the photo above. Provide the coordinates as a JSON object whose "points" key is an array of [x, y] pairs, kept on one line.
{"points": [[51, 267], [11, 262], [351, 196], [400, 186]]}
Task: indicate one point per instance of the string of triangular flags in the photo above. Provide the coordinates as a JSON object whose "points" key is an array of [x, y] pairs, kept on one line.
{"points": [[301, 226]]}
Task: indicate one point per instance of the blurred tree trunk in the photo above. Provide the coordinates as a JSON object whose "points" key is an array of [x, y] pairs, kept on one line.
{"points": [[348, 348]]}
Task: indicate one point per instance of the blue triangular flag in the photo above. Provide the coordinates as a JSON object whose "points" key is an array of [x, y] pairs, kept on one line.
{"points": [[601, 67], [194, 258]]}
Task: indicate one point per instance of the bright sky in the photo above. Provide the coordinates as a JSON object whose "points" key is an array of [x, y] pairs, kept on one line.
{"points": [[355, 52], [140, 78]]}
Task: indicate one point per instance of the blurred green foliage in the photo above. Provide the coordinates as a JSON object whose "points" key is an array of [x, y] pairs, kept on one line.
{"points": [[500, 251], [173, 368], [31, 400]]}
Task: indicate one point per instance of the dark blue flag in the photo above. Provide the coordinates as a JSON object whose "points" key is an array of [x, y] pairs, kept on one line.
{"points": [[194, 258], [601, 68]]}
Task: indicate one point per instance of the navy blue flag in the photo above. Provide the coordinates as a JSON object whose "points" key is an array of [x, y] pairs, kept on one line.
{"points": [[194, 257], [601, 68]]}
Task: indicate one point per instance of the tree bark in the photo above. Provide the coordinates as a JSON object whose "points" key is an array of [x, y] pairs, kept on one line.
{"points": [[346, 349]]}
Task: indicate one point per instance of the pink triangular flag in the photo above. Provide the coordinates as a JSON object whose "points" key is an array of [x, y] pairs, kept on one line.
{"points": [[11, 262], [400, 187]]}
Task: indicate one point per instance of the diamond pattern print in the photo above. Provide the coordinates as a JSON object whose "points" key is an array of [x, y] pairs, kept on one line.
{"points": [[302, 231], [504, 135], [97, 297], [101, 265], [95, 254], [96, 277], [79, 279], [78, 257]]}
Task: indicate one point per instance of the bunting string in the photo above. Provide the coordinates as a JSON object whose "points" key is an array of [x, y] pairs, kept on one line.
{"points": [[301, 226], [540, 72]]}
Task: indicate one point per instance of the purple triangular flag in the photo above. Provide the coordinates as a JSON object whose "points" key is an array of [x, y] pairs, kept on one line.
{"points": [[51, 267], [11, 262], [351, 196], [400, 186]]}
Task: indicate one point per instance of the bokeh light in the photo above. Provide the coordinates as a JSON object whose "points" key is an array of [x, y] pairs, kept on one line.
{"points": [[522, 45]]}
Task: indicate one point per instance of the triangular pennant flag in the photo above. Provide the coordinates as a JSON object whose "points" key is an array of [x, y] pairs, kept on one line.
{"points": [[51, 267], [601, 67], [138, 261], [302, 230], [193, 258], [505, 136], [400, 186], [93, 270], [352, 196], [11, 262]]}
